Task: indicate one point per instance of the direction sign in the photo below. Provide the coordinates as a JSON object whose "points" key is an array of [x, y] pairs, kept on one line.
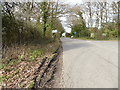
{"points": [[74, 32], [54, 31]]}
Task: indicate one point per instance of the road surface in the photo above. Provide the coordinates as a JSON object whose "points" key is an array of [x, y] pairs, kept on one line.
{"points": [[90, 64]]}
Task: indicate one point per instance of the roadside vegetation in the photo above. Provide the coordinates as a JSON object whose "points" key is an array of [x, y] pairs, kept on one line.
{"points": [[94, 20], [27, 39]]}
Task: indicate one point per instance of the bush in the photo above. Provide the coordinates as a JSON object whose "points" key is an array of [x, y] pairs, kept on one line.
{"points": [[19, 32]]}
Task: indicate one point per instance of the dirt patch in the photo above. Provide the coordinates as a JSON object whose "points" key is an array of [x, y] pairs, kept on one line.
{"points": [[49, 74], [58, 74], [55, 81]]}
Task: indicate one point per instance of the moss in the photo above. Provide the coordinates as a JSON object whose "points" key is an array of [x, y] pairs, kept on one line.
{"points": [[2, 66], [14, 61], [36, 53], [1, 79], [12, 74], [31, 84]]}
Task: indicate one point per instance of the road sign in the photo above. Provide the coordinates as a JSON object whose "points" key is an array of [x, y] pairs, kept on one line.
{"points": [[54, 31], [75, 33]]}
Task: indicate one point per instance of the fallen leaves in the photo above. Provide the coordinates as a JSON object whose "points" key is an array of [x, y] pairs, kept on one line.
{"points": [[22, 63]]}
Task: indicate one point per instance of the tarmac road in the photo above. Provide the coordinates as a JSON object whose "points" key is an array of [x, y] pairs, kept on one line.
{"points": [[90, 64]]}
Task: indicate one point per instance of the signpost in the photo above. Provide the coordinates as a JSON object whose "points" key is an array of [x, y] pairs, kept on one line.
{"points": [[75, 34], [54, 33]]}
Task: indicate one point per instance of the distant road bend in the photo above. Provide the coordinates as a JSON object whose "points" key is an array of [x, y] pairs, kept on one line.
{"points": [[90, 64]]}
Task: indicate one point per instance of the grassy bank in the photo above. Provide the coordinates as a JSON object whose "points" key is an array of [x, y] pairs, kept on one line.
{"points": [[87, 38], [20, 63]]}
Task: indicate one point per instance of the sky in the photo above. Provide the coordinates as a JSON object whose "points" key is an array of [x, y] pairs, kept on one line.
{"points": [[63, 19], [74, 2]]}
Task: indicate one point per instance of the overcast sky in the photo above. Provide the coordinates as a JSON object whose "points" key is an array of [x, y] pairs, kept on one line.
{"points": [[63, 19], [74, 2]]}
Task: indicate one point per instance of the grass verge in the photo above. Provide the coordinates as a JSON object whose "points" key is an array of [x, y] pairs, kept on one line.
{"points": [[20, 63], [86, 38]]}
